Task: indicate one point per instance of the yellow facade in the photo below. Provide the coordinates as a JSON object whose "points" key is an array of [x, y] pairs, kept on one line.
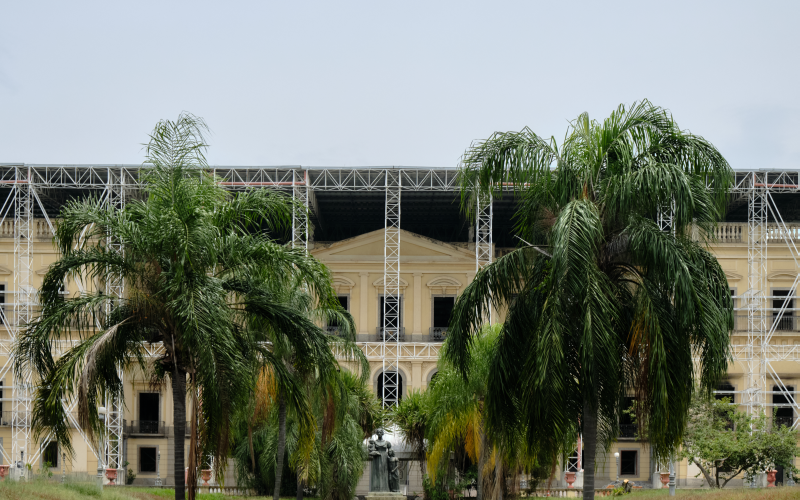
{"points": [[428, 269]]}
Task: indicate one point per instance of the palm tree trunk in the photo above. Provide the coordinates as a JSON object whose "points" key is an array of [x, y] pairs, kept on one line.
{"points": [[276, 495], [589, 448], [192, 476], [299, 486], [179, 415], [482, 462]]}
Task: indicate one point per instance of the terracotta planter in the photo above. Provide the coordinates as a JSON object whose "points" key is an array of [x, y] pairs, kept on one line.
{"points": [[570, 478], [111, 474], [4, 472], [664, 476], [206, 475], [771, 478]]}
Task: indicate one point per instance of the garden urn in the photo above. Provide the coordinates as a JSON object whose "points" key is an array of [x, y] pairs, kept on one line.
{"points": [[771, 478], [4, 472], [570, 478], [664, 476], [206, 476], [111, 474]]}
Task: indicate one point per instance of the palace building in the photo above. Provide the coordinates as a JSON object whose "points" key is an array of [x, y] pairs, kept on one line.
{"points": [[401, 251]]}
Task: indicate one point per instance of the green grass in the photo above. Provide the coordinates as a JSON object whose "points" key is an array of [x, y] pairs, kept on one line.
{"points": [[50, 490], [725, 494]]}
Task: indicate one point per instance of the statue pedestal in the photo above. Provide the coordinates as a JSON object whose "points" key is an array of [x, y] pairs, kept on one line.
{"points": [[385, 495]]}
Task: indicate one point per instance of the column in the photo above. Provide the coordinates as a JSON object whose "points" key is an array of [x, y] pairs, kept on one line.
{"points": [[416, 376], [417, 305], [363, 303]]}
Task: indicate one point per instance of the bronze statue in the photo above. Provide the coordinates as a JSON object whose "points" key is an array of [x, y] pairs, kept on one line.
{"points": [[379, 454], [394, 472]]}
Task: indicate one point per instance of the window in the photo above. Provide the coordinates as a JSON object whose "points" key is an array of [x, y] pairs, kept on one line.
{"points": [[394, 381], [3, 297], [784, 414], [147, 459], [628, 462], [1, 401], [394, 307], [786, 321], [442, 310], [627, 428], [333, 325], [50, 455], [148, 412], [725, 390]]}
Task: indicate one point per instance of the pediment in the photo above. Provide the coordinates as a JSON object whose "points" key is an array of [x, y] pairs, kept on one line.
{"points": [[731, 276], [782, 276], [4, 271], [413, 248], [444, 285], [343, 284], [378, 283]]}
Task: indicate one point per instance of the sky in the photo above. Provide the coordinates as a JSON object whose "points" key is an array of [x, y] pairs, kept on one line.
{"points": [[388, 83]]}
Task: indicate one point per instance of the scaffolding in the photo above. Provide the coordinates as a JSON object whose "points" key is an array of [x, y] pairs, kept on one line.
{"points": [[391, 329], [117, 183]]}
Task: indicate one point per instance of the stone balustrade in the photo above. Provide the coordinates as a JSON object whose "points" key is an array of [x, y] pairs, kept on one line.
{"points": [[39, 229], [736, 232]]}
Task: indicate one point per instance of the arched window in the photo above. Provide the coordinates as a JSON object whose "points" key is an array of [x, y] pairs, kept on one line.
{"points": [[394, 387]]}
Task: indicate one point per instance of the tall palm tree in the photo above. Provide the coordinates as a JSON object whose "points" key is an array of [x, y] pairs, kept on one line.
{"points": [[614, 304], [196, 263]]}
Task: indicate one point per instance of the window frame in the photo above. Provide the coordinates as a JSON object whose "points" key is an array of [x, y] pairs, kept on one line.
{"points": [[635, 462], [139, 405], [788, 316], [402, 310], [139, 449], [42, 459], [440, 296]]}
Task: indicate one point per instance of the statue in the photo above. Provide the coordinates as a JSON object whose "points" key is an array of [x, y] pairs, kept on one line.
{"points": [[379, 455], [394, 472]]}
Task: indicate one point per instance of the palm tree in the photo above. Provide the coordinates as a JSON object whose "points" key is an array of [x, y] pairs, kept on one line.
{"points": [[331, 456], [196, 262], [411, 415], [614, 303], [457, 417]]}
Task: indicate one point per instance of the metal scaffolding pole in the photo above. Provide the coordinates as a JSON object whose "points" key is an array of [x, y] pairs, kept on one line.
{"points": [[115, 287], [756, 378], [391, 330], [300, 215], [483, 231], [23, 310]]}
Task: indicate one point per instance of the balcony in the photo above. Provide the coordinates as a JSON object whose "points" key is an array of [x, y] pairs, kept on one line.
{"points": [[145, 428], [627, 431], [785, 324], [736, 232], [438, 333], [391, 335]]}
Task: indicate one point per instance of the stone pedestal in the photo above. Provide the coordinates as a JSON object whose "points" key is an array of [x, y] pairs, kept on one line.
{"points": [[385, 495]]}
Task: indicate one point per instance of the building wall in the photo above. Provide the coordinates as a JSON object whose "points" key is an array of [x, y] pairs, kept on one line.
{"points": [[428, 268]]}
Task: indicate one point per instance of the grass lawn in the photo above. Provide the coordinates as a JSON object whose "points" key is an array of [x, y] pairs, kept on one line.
{"points": [[41, 490], [725, 494]]}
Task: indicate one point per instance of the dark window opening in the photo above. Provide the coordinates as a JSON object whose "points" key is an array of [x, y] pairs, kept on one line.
{"points": [[627, 427], [344, 302], [395, 315], [786, 321], [147, 459], [725, 390], [394, 386], [148, 412], [3, 297], [442, 310], [783, 411], [627, 462], [50, 455]]}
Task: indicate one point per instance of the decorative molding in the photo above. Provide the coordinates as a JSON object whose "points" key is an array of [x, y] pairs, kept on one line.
{"points": [[4, 271], [444, 285], [781, 276], [343, 284], [731, 276], [378, 284]]}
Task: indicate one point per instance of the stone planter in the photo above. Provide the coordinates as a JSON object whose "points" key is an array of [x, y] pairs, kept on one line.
{"points": [[206, 475], [4, 472], [569, 477], [771, 478], [664, 477], [111, 474]]}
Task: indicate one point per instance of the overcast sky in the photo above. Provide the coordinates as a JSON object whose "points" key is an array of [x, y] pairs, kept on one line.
{"points": [[388, 83]]}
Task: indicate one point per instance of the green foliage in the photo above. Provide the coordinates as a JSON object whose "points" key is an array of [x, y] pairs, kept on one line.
{"points": [[203, 271], [85, 489], [331, 459], [411, 415], [724, 442], [130, 476], [608, 303]]}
